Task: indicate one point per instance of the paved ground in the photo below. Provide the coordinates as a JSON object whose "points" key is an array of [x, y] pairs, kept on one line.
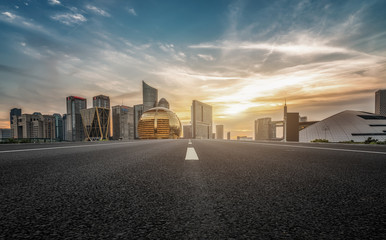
{"points": [[146, 189]]}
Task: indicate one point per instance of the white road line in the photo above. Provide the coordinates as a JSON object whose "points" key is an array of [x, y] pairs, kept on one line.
{"points": [[191, 154], [321, 148], [190, 141], [78, 146]]}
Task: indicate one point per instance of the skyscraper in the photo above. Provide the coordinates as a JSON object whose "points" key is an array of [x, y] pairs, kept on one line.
{"points": [[101, 101], [74, 126], [123, 122], [58, 126], [14, 112], [150, 96], [380, 102], [138, 110], [201, 120], [219, 131], [96, 123]]}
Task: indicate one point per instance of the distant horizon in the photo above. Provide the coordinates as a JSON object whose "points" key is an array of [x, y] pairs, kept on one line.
{"points": [[242, 57]]}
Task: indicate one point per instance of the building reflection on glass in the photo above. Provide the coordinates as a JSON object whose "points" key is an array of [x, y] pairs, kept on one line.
{"points": [[159, 123]]}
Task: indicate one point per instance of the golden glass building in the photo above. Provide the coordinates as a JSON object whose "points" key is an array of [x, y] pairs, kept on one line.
{"points": [[159, 123]]}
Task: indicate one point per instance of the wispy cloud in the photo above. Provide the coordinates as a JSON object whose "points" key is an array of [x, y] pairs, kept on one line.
{"points": [[98, 10], [132, 11], [206, 57], [11, 16], [70, 18], [54, 2]]}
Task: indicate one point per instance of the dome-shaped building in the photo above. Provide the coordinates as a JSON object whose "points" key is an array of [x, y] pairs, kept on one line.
{"points": [[159, 123]]}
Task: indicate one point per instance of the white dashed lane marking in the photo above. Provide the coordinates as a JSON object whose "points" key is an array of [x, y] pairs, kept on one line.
{"points": [[190, 152]]}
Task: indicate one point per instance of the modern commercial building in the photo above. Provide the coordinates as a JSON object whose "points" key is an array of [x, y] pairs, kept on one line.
{"points": [[14, 112], [187, 131], [346, 126], [201, 120], [219, 131], [74, 126], [159, 123], [64, 126], [264, 129], [380, 102], [58, 126], [33, 126], [138, 111], [96, 123], [228, 135], [150, 96], [101, 101], [163, 103], [292, 127], [123, 122]]}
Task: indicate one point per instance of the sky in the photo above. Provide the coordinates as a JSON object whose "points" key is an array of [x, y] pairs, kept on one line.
{"points": [[242, 57]]}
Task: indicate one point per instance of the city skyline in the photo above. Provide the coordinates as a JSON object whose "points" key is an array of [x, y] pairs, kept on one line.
{"points": [[241, 57]]}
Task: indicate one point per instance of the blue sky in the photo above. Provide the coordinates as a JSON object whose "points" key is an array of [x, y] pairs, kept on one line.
{"points": [[243, 57]]}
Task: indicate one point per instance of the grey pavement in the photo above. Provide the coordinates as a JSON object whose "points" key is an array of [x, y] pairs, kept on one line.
{"points": [[236, 190]]}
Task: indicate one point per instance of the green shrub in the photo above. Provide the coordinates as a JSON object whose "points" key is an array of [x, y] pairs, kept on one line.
{"points": [[320, 140]]}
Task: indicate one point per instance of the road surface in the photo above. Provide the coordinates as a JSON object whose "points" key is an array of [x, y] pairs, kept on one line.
{"points": [[192, 189]]}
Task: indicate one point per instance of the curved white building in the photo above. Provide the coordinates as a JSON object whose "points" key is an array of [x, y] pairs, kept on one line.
{"points": [[346, 126]]}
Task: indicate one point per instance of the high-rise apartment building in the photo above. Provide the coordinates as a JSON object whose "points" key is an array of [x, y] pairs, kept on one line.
{"points": [[150, 96], [74, 126], [201, 120], [380, 102], [219, 131], [123, 122], [101, 101]]}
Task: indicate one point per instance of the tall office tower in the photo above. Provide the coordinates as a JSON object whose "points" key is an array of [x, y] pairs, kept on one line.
{"points": [[380, 102], [64, 131], [263, 129], [228, 135], [292, 127], [201, 120], [150, 96], [219, 131], [74, 126], [14, 112], [187, 130], [101, 101], [163, 103], [96, 123], [58, 126], [138, 111], [123, 122]]}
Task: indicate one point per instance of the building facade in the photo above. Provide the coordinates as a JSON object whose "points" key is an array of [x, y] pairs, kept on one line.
{"points": [[138, 111], [219, 131], [33, 126], [292, 127], [380, 102], [101, 101], [149, 96], [201, 120], [228, 135], [74, 126], [96, 123], [14, 112], [187, 131], [263, 129], [159, 123], [5, 133], [59, 126], [163, 103], [123, 122]]}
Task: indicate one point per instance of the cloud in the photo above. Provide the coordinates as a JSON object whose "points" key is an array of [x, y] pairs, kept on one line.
{"points": [[132, 11], [10, 15], [54, 2], [70, 18], [206, 57], [98, 10]]}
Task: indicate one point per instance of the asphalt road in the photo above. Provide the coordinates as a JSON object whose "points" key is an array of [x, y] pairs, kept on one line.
{"points": [[146, 189]]}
